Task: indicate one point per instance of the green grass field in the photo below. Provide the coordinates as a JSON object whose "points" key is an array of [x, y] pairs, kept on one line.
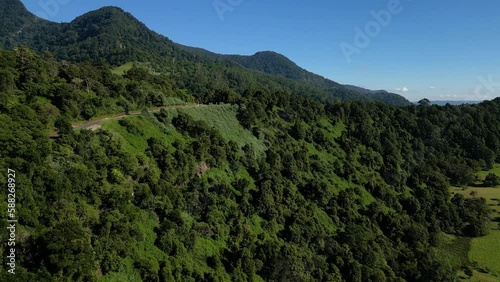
{"points": [[455, 249], [121, 70], [495, 170], [223, 118], [332, 131], [136, 144], [484, 252], [492, 196]]}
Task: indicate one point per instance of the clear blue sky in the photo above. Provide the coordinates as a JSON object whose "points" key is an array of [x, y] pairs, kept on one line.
{"points": [[434, 49]]}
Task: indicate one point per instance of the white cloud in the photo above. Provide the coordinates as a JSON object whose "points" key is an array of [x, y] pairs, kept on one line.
{"points": [[404, 89], [432, 87]]}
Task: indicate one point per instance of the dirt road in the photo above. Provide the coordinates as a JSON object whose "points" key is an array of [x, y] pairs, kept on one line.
{"points": [[96, 124]]}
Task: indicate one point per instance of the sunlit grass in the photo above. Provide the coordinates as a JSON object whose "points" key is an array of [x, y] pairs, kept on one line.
{"points": [[223, 118], [121, 70], [486, 251]]}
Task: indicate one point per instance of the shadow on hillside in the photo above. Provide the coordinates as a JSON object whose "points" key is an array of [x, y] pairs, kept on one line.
{"points": [[481, 185]]}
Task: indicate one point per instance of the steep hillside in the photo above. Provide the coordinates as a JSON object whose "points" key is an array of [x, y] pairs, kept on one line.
{"points": [[273, 187], [277, 64], [19, 26], [274, 63]]}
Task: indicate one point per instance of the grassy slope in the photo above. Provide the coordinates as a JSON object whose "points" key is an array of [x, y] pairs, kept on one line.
{"points": [[223, 118], [121, 70], [137, 144], [483, 252], [455, 249], [482, 277], [495, 170], [486, 251]]}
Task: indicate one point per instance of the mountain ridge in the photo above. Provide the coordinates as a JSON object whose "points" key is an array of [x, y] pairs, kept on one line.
{"points": [[116, 36]]}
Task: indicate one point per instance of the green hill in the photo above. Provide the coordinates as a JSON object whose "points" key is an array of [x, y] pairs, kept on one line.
{"points": [[115, 36], [268, 186], [257, 183]]}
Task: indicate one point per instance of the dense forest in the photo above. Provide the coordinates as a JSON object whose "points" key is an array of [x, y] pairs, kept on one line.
{"points": [[115, 36], [269, 172], [317, 191]]}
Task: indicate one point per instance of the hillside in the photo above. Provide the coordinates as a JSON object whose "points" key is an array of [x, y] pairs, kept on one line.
{"points": [[173, 163], [277, 64], [269, 186], [115, 36], [363, 90]]}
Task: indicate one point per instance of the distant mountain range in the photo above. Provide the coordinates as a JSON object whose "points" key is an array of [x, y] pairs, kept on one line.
{"points": [[115, 36], [454, 103]]}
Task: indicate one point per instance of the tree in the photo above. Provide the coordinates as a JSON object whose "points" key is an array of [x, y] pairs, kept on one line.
{"points": [[424, 102], [68, 251], [63, 125], [491, 180], [298, 131]]}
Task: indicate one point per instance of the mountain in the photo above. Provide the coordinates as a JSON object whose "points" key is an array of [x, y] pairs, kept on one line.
{"points": [[113, 35], [266, 186], [18, 24], [108, 33], [271, 186], [363, 90], [277, 64], [380, 95], [272, 63], [453, 103]]}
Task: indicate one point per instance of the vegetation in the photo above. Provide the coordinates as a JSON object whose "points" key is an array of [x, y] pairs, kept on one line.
{"points": [[271, 179], [116, 37], [484, 251], [275, 186], [481, 253]]}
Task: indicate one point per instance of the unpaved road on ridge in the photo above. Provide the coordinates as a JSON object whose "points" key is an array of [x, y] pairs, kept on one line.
{"points": [[95, 124]]}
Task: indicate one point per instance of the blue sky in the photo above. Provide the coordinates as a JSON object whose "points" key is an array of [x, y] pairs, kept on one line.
{"points": [[442, 50]]}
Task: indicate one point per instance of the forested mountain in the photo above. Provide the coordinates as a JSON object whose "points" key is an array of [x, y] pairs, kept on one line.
{"points": [[277, 64], [271, 187], [115, 36], [18, 25], [363, 90], [260, 177], [273, 63], [453, 102]]}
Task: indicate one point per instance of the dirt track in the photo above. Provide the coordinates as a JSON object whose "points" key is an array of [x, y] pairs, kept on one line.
{"points": [[96, 124]]}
